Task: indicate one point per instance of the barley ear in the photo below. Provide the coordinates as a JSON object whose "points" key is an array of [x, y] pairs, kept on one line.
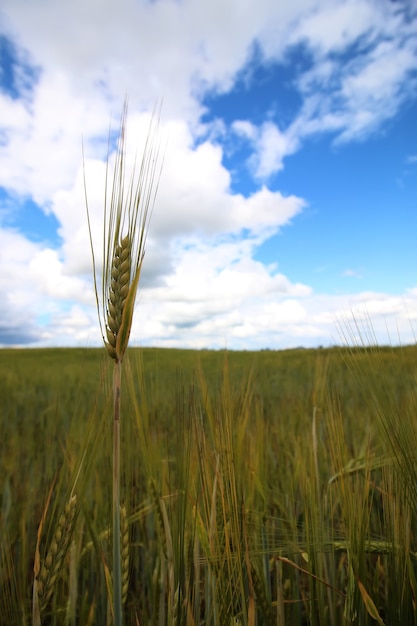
{"points": [[123, 335], [52, 565], [36, 612], [124, 529], [118, 294], [127, 211], [159, 517]]}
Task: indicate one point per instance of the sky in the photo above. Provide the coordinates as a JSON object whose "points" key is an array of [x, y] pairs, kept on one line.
{"points": [[286, 213]]}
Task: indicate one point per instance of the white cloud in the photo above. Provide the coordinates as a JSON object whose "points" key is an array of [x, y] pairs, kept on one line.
{"points": [[202, 283], [43, 149], [48, 275], [185, 49], [246, 129], [353, 96], [194, 201], [213, 295], [271, 146], [18, 318], [361, 65], [333, 26], [352, 273], [36, 289], [286, 320]]}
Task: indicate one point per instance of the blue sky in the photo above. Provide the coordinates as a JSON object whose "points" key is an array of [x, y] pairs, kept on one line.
{"points": [[287, 208]]}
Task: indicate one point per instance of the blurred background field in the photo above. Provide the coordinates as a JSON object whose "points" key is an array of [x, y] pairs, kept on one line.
{"points": [[259, 487]]}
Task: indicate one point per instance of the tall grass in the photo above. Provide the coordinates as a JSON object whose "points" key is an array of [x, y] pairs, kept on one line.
{"points": [[259, 488]]}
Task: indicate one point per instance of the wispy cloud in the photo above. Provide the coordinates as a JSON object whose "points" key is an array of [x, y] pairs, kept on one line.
{"points": [[358, 66], [351, 273], [270, 146]]}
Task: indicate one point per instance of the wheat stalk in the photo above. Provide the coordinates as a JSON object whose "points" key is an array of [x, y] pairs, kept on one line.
{"points": [[126, 221]]}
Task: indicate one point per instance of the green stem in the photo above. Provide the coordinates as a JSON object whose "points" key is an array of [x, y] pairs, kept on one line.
{"points": [[117, 567]]}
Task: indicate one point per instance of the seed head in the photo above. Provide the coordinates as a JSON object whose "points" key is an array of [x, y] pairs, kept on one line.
{"points": [[126, 220]]}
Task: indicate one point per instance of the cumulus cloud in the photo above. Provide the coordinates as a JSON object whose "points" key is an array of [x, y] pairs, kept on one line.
{"points": [[203, 284]]}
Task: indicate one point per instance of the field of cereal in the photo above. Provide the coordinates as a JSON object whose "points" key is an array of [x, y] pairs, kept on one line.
{"points": [[257, 487]]}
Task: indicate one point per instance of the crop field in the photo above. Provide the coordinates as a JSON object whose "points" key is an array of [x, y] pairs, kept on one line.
{"points": [[258, 488]]}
